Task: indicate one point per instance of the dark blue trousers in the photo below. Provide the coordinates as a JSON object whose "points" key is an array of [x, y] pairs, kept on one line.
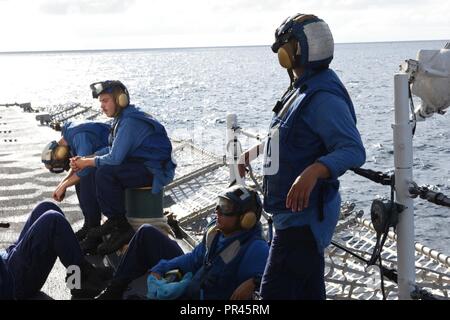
{"points": [[47, 235], [6, 282], [148, 246], [295, 267], [112, 181], [87, 198]]}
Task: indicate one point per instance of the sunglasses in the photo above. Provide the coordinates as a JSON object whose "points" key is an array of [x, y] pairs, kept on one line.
{"points": [[225, 207]]}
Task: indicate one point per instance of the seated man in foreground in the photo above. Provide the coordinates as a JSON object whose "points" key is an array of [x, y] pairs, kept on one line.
{"points": [[227, 264]]}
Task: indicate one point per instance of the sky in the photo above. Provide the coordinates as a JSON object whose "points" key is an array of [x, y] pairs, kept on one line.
{"points": [[41, 25]]}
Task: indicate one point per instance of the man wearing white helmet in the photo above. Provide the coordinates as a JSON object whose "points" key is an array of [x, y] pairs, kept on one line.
{"points": [[312, 141]]}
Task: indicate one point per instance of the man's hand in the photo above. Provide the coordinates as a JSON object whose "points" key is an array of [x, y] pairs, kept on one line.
{"points": [[248, 156], [79, 163], [244, 291], [59, 193], [298, 196], [243, 163], [73, 164], [242, 171]]}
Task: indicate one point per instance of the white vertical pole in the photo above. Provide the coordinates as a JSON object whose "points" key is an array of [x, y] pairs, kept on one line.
{"points": [[403, 158], [234, 149]]}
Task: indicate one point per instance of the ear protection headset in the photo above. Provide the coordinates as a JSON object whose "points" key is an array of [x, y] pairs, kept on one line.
{"points": [[243, 202], [114, 87], [56, 157], [248, 220], [286, 55], [121, 98]]}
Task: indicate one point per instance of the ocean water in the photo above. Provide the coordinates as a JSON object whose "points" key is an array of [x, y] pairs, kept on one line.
{"points": [[191, 90]]}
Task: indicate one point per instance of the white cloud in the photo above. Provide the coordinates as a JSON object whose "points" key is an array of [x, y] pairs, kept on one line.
{"points": [[90, 24]]}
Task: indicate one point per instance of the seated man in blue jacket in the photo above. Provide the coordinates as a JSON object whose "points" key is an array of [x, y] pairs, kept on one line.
{"points": [[227, 264], [313, 139], [78, 139], [26, 264], [139, 155]]}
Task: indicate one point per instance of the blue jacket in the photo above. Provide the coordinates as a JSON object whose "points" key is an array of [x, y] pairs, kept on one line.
{"points": [[137, 136], [220, 264], [85, 138], [318, 126], [6, 281]]}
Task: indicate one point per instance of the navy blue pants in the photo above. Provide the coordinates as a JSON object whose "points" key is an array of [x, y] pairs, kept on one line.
{"points": [[47, 235], [87, 198], [295, 267], [112, 181], [148, 246]]}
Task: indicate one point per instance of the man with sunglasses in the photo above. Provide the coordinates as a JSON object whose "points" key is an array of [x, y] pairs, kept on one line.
{"points": [[227, 264], [78, 139], [312, 141], [138, 155]]}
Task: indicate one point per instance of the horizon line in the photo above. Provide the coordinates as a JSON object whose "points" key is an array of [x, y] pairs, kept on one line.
{"points": [[191, 47]]}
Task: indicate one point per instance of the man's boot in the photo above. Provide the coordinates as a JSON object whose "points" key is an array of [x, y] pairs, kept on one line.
{"points": [[117, 239], [93, 281], [83, 232], [109, 226], [89, 245]]}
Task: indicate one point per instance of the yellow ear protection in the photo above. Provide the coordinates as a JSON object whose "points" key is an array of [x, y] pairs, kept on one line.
{"points": [[248, 220], [243, 202], [286, 54], [120, 97], [56, 157], [122, 100], [284, 57]]}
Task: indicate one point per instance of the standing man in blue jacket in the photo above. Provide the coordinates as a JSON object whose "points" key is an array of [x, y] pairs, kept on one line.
{"points": [[312, 141], [227, 264], [139, 155], [78, 139]]}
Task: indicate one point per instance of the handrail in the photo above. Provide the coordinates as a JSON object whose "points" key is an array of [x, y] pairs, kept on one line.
{"points": [[256, 136], [431, 253]]}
